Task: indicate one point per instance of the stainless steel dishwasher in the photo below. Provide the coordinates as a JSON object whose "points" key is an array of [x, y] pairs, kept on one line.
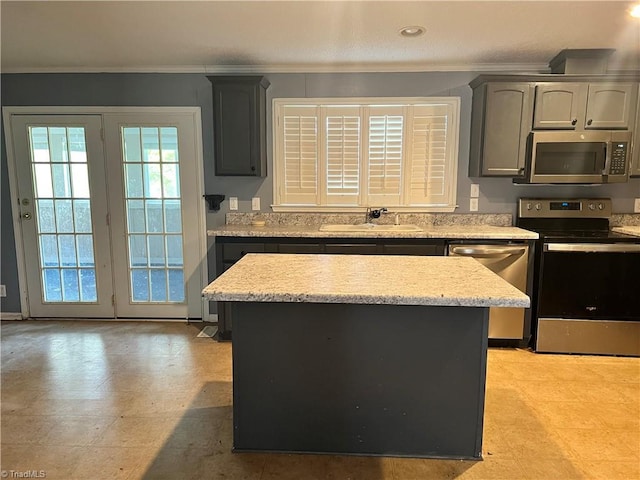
{"points": [[509, 262]]}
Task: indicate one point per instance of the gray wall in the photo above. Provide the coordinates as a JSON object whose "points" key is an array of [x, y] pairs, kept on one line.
{"points": [[496, 195]]}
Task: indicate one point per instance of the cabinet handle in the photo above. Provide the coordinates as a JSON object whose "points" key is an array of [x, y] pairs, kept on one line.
{"points": [[574, 121], [253, 169], [590, 121]]}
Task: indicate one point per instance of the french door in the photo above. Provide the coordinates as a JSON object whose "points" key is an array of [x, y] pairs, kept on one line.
{"points": [[110, 218]]}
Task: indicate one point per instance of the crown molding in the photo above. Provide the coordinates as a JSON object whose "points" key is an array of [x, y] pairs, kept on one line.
{"points": [[311, 68]]}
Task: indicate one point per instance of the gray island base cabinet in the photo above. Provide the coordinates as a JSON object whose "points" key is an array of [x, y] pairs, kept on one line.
{"points": [[360, 354], [332, 378]]}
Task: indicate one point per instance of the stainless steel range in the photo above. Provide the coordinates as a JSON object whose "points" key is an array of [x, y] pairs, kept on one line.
{"points": [[586, 296]]}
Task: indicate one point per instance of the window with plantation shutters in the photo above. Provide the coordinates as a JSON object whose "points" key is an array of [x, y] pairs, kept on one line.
{"points": [[342, 154]]}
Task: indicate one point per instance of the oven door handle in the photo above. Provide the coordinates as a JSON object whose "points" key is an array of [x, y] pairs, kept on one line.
{"points": [[592, 247], [486, 252]]}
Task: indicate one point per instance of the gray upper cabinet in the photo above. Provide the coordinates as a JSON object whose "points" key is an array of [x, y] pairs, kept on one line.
{"points": [[500, 123], [239, 123], [584, 106], [635, 145], [559, 105], [610, 105]]}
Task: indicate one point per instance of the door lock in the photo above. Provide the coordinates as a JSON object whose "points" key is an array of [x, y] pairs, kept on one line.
{"points": [[26, 216]]}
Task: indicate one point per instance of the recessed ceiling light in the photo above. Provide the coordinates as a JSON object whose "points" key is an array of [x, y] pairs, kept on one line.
{"points": [[635, 11], [412, 31]]}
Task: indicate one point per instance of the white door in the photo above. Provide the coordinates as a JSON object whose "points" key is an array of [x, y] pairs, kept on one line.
{"points": [[117, 230], [154, 200], [59, 162]]}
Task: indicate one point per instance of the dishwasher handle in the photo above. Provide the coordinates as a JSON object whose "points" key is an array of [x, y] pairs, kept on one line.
{"points": [[485, 251]]}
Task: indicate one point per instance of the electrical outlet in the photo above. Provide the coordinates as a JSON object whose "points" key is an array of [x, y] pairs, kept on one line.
{"points": [[636, 205], [473, 204], [475, 190], [255, 203], [3, 290], [233, 203]]}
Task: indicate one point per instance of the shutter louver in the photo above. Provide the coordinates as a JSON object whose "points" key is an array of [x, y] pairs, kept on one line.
{"points": [[300, 152], [385, 159], [427, 184], [343, 154]]}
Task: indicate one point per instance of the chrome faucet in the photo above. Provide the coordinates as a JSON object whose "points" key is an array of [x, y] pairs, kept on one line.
{"points": [[374, 213]]}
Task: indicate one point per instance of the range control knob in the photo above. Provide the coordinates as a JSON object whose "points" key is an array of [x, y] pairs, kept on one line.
{"points": [[592, 206], [538, 206], [601, 206], [529, 206]]}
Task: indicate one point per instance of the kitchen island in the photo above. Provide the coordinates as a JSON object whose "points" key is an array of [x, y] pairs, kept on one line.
{"points": [[353, 354]]}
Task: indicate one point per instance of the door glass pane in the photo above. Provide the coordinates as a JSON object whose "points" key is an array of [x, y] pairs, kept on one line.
{"points": [[63, 214], [154, 220]]}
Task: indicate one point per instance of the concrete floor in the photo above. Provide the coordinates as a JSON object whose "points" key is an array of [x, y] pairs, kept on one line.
{"points": [[115, 400]]}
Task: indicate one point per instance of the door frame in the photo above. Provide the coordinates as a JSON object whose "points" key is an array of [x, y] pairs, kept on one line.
{"points": [[9, 111]]}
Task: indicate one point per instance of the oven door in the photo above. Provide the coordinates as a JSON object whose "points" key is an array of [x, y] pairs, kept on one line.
{"points": [[588, 298]]}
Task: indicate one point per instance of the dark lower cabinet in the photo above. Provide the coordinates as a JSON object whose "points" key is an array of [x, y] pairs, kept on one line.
{"points": [[231, 249], [352, 248], [300, 248], [426, 250]]}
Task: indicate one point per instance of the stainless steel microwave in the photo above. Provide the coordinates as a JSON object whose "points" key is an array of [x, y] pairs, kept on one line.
{"points": [[577, 157]]}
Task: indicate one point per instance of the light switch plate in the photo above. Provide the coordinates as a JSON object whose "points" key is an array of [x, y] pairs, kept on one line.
{"points": [[233, 203], [473, 204], [475, 190], [3, 290], [636, 205], [255, 203]]}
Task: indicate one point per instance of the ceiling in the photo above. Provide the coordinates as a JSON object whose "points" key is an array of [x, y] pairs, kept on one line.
{"points": [[309, 36]]}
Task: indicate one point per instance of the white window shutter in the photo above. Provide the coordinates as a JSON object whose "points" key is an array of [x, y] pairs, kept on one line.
{"points": [[430, 155], [343, 150], [331, 154], [385, 155], [299, 172]]}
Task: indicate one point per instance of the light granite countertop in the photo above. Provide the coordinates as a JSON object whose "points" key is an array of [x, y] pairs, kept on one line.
{"points": [[370, 279], [628, 230], [430, 231]]}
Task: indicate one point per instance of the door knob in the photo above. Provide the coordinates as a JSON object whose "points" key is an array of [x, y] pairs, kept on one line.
{"points": [[26, 216]]}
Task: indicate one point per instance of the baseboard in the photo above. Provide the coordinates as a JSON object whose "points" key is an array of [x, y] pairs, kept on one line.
{"points": [[212, 318]]}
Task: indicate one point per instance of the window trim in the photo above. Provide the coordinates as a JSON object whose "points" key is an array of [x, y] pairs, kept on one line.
{"points": [[279, 103]]}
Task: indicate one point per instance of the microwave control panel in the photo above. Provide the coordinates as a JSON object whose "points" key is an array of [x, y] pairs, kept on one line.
{"points": [[618, 158]]}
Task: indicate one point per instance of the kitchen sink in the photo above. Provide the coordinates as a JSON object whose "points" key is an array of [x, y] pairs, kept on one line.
{"points": [[369, 227]]}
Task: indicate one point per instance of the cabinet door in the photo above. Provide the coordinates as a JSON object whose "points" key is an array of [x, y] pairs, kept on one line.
{"points": [[352, 248], [300, 248], [610, 105], [232, 252], [425, 250], [635, 144], [559, 105], [507, 123], [239, 105]]}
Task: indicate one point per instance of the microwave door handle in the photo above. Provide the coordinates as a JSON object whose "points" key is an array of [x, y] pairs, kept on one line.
{"points": [[607, 160]]}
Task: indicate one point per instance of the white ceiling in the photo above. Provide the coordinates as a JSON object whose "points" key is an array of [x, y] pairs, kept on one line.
{"points": [[309, 36]]}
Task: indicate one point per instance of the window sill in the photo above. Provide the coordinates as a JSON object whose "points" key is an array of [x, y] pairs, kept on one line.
{"points": [[334, 209]]}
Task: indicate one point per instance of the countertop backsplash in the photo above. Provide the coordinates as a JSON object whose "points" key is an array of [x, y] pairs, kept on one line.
{"points": [[625, 219], [421, 219]]}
